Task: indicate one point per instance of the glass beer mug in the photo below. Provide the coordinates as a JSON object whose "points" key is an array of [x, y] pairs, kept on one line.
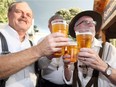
{"points": [[84, 38], [59, 25], [71, 50]]}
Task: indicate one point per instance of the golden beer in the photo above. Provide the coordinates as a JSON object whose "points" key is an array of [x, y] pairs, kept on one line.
{"points": [[84, 40], [72, 51], [61, 26]]}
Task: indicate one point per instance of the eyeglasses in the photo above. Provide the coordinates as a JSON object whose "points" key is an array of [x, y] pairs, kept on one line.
{"points": [[85, 22]]}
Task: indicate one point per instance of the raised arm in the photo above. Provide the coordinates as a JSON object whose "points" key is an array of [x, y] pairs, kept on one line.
{"points": [[14, 62]]}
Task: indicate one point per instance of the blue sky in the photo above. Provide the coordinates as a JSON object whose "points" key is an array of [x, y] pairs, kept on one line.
{"points": [[44, 9]]}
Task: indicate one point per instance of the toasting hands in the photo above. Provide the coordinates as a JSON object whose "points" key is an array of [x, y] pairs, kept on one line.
{"points": [[52, 43]]}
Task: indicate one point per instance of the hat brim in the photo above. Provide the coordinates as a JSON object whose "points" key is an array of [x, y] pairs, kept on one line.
{"points": [[96, 17]]}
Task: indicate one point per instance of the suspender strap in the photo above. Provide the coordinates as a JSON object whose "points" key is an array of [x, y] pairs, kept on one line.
{"points": [[94, 78], [31, 43], [36, 63], [76, 77], [37, 70], [4, 44], [95, 74], [4, 51], [101, 50], [38, 73]]}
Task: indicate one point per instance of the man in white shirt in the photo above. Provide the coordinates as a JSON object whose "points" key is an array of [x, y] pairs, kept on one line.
{"points": [[104, 68], [18, 65], [52, 71]]}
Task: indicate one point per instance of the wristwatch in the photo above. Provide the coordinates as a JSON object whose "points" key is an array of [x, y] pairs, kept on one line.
{"points": [[108, 70]]}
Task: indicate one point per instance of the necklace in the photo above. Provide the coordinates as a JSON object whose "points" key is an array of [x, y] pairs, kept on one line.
{"points": [[55, 63], [84, 70]]}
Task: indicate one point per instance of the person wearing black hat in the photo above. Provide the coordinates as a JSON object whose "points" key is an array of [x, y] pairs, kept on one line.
{"points": [[99, 60]]}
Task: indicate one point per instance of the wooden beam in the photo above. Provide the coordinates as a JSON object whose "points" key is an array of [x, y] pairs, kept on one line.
{"points": [[109, 21]]}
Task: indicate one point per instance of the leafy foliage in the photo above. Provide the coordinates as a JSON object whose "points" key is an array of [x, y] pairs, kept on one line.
{"points": [[68, 14], [3, 10]]}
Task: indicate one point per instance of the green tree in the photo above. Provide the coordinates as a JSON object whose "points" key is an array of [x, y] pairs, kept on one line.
{"points": [[64, 13], [3, 10], [68, 14], [74, 11]]}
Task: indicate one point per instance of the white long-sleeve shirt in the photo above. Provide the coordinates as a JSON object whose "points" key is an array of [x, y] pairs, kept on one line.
{"points": [[109, 56], [49, 69], [26, 76]]}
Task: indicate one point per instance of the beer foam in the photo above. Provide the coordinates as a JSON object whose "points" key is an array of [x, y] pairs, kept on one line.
{"points": [[78, 33], [58, 21], [72, 43]]}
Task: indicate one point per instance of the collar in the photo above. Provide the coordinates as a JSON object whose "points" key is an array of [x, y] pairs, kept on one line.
{"points": [[96, 43], [13, 32]]}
